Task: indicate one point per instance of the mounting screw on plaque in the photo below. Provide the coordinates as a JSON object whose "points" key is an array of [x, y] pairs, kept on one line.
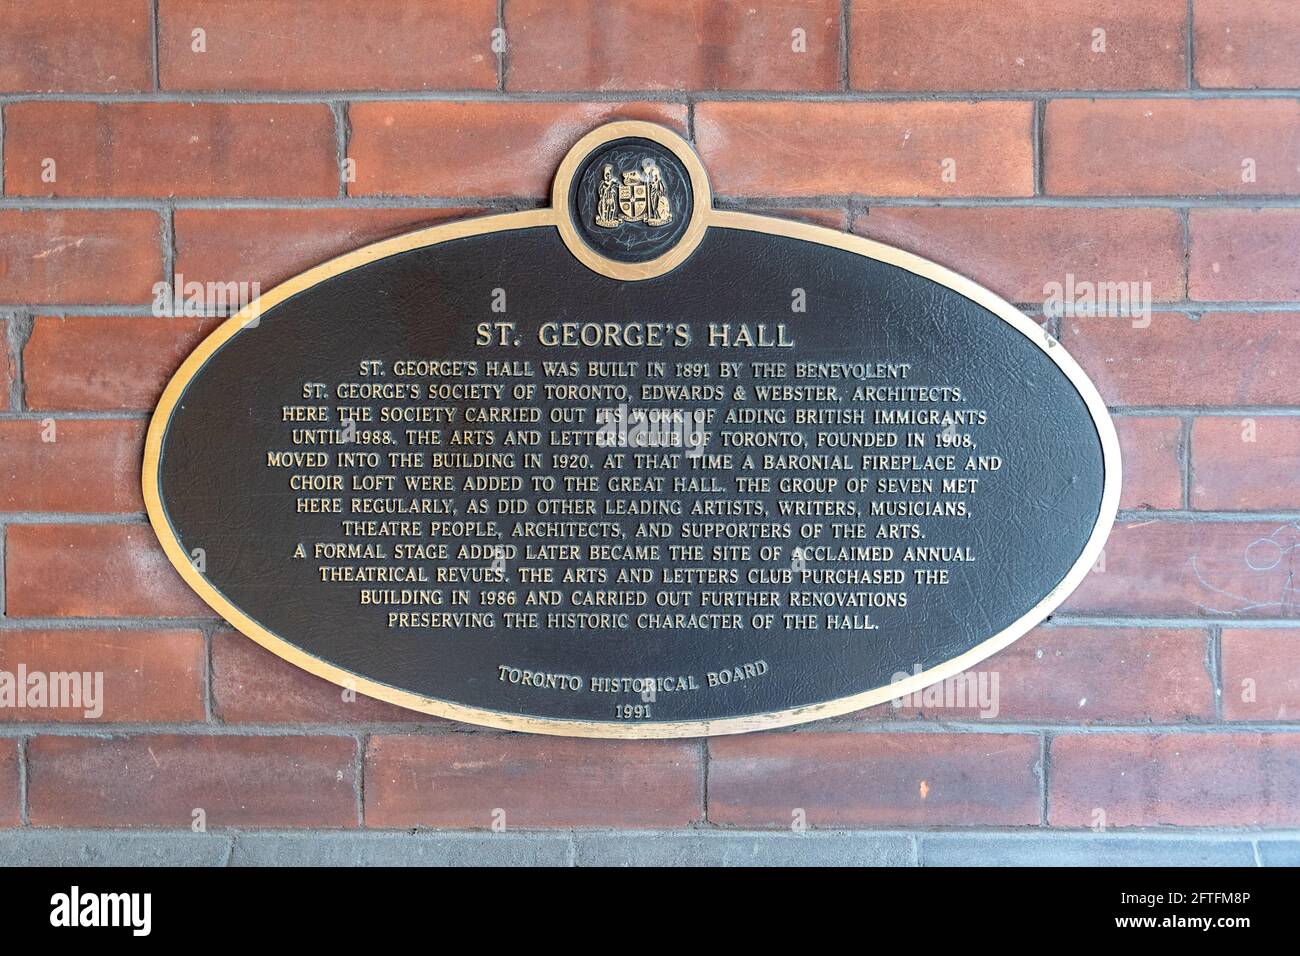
{"points": [[631, 200]]}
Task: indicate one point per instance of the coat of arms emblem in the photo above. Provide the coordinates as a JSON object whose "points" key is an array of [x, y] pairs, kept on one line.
{"points": [[641, 197]]}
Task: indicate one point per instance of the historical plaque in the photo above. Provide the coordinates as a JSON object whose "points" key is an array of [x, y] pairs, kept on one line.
{"points": [[631, 465]]}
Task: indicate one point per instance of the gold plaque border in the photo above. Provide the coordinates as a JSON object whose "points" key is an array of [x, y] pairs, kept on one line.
{"points": [[703, 217]]}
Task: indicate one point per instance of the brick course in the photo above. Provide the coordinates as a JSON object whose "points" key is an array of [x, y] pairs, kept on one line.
{"points": [[149, 676], [673, 45], [833, 780], [334, 45], [96, 256], [161, 780], [1019, 45], [474, 781], [60, 46], [170, 149], [873, 149], [1172, 779]]}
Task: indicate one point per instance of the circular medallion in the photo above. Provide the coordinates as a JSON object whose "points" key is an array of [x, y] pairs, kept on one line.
{"points": [[631, 200]]}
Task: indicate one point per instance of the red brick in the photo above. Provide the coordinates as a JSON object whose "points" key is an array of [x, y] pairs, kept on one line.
{"points": [[10, 812], [271, 245], [61, 46], [874, 779], [1080, 675], [477, 148], [171, 149], [109, 363], [1254, 358], [1018, 45], [160, 780], [831, 218], [1017, 251], [693, 45], [871, 149], [1193, 569], [1244, 255], [328, 45], [1247, 43], [1246, 463], [116, 570], [1235, 779], [90, 256], [1171, 147], [91, 466], [251, 685], [1261, 674], [147, 675], [461, 780], [1152, 467]]}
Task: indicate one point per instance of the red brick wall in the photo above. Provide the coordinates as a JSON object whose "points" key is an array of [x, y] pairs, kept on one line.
{"points": [[1166, 691]]}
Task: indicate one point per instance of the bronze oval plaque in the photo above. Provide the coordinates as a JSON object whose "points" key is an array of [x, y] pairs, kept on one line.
{"points": [[631, 465]]}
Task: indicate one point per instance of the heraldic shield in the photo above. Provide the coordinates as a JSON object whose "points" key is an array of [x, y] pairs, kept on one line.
{"points": [[632, 198], [639, 198]]}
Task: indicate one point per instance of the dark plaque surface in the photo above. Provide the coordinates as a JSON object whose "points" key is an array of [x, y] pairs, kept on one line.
{"points": [[676, 471]]}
